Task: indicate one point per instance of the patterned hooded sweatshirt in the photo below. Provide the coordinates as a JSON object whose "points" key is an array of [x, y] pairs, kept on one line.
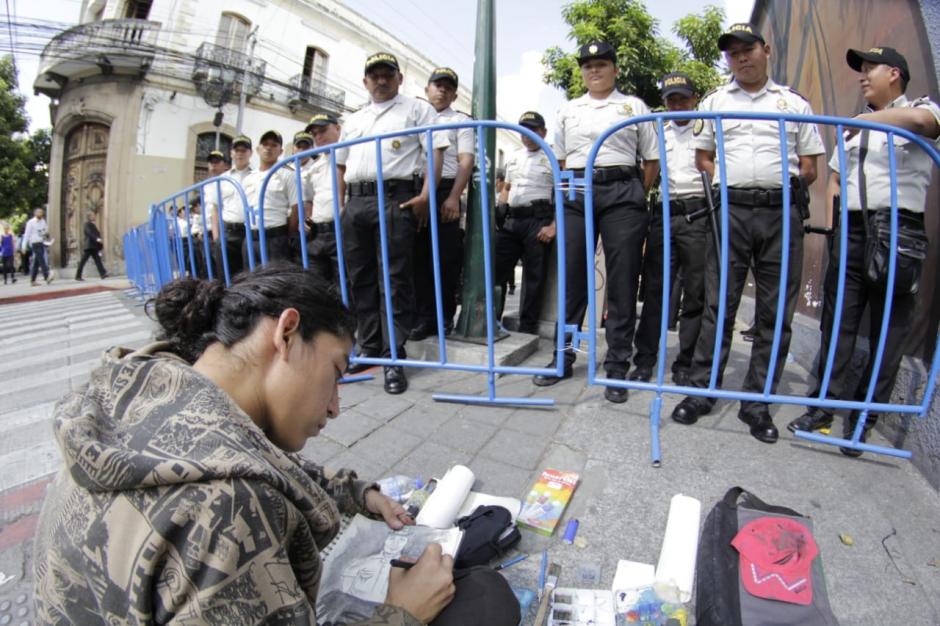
{"points": [[173, 507]]}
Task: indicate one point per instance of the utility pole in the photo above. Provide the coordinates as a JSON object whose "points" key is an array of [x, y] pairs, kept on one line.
{"points": [[243, 94], [472, 321]]}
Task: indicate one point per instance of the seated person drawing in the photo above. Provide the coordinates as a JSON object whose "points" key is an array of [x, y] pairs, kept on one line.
{"points": [[182, 499]]}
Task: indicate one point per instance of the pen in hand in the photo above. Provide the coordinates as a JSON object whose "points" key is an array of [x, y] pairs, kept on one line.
{"points": [[401, 564]]}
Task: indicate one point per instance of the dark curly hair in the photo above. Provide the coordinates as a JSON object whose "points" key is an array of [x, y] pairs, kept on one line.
{"points": [[194, 313]]}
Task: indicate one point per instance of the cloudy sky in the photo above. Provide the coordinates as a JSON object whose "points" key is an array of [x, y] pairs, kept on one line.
{"points": [[444, 30]]}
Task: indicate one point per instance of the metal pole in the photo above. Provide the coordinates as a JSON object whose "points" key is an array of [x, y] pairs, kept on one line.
{"points": [[243, 94], [472, 321]]}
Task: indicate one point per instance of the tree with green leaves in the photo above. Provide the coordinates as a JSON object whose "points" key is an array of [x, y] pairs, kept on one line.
{"points": [[643, 54], [24, 158]]}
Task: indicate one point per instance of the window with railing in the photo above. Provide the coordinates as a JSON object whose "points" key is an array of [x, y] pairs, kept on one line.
{"points": [[233, 32], [137, 9], [316, 62]]}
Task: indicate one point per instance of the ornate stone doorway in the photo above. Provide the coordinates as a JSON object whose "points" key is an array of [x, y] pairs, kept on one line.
{"points": [[83, 179]]}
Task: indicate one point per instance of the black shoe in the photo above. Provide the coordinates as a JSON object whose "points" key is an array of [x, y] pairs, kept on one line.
{"points": [[422, 331], [395, 380], [79, 279], [762, 425], [690, 409], [642, 374], [681, 377], [848, 429], [617, 395], [358, 368], [547, 380], [814, 419]]}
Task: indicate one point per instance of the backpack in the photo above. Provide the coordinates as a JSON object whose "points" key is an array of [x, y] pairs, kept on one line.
{"points": [[488, 533], [722, 598]]}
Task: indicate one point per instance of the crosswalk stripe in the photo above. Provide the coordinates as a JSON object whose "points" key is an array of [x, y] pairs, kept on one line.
{"points": [[63, 318], [63, 333], [21, 466], [16, 308], [95, 346]]}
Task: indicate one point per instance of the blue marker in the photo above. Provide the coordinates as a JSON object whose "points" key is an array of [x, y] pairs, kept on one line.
{"points": [[512, 561]]}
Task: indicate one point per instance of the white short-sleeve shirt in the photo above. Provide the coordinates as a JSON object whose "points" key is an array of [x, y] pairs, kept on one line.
{"points": [[279, 196], [461, 140], [530, 177]]}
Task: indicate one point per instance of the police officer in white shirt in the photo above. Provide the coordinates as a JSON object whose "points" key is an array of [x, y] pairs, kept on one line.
{"points": [[405, 176], [320, 224], [441, 91], [303, 141], [883, 79], [529, 228], [688, 242], [280, 200], [755, 201], [620, 213], [233, 210]]}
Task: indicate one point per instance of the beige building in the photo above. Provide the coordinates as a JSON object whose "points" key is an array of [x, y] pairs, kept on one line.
{"points": [[142, 90]]}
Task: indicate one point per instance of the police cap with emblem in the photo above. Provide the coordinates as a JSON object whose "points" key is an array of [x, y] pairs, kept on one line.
{"points": [[272, 134], [321, 119], [596, 50], [532, 119], [382, 58], [742, 31], [215, 154], [303, 137], [242, 140], [881, 55], [677, 82], [443, 73]]}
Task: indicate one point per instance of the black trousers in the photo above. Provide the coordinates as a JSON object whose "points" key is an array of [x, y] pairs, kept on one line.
{"points": [[518, 239], [94, 255], [621, 220], [858, 294], [361, 243], [8, 269], [321, 253], [450, 249], [234, 238], [754, 241], [688, 245], [276, 243]]}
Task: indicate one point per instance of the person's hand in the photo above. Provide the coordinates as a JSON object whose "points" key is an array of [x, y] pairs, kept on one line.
{"points": [[392, 512], [450, 210], [547, 233], [425, 589], [418, 206]]}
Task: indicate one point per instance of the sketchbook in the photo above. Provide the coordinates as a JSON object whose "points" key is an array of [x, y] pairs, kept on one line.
{"points": [[453, 498], [356, 565]]}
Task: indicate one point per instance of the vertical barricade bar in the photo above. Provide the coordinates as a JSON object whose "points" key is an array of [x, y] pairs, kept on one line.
{"points": [[301, 216], [383, 241], [189, 238], [435, 246], [723, 257], [590, 254], [338, 229], [785, 217], [487, 264], [206, 249]]}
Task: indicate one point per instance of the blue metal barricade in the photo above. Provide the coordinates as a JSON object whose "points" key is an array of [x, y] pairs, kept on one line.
{"points": [[659, 387]]}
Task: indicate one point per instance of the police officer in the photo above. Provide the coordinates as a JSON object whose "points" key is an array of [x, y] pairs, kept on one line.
{"points": [[323, 129], [529, 227], [404, 171], [441, 91], [233, 211], [280, 200], [883, 76], [620, 214], [755, 197], [688, 241], [216, 164]]}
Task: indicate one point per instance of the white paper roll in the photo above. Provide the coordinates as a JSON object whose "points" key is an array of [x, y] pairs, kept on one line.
{"points": [[675, 572], [440, 510]]}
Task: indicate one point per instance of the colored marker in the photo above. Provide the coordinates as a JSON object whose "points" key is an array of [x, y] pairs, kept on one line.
{"points": [[570, 531], [401, 564], [512, 561]]}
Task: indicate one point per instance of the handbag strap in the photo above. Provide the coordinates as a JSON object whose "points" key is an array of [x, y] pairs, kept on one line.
{"points": [[862, 184]]}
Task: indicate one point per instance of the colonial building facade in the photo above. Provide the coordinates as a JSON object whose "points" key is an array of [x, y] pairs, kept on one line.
{"points": [[142, 90]]}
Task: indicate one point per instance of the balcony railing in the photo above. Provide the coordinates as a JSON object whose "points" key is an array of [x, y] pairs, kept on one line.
{"points": [[124, 46], [219, 68], [316, 93]]}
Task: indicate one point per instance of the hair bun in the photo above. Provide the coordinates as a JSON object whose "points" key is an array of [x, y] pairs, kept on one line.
{"points": [[186, 310]]}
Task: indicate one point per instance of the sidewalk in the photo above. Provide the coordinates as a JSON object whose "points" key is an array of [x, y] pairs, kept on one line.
{"points": [[61, 286], [891, 575]]}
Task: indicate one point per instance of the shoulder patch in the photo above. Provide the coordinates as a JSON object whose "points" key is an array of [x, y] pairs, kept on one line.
{"points": [[698, 127], [794, 91]]}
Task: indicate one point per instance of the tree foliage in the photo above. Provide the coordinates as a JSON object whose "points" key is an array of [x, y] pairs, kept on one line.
{"points": [[24, 159], [643, 55]]}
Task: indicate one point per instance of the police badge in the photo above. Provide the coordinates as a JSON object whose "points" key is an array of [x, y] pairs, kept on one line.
{"points": [[626, 109], [782, 104], [396, 144]]}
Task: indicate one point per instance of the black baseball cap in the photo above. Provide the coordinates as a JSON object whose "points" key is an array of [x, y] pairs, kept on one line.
{"points": [[321, 119], [272, 134], [382, 58], [596, 50], [216, 154], [242, 140], [880, 55], [443, 73], [532, 119], [741, 31], [677, 82], [303, 137]]}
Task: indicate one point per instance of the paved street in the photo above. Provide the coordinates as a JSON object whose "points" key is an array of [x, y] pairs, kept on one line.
{"points": [[889, 576]]}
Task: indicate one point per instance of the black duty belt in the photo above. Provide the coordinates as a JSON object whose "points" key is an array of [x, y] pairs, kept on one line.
{"points": [[540, 210], [320, 228], [611, 174], [276, 230], [683, 206], [235, 228], [757, 197], [392, 186]]}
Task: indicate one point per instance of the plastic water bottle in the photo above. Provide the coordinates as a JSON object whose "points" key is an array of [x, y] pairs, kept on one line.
{"points": [[399, 487]]}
